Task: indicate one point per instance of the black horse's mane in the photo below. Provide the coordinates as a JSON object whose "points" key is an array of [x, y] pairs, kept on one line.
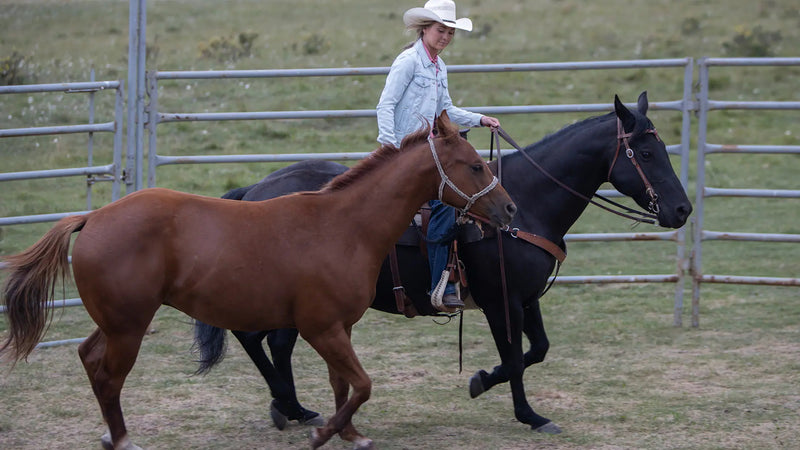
{"points": [[569, 130]]}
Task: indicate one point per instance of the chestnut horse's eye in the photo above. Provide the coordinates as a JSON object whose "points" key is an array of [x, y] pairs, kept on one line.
{"points": [[477, 168]]}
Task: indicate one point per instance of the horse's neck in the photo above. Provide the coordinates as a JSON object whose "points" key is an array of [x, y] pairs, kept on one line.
{"points": [[543, 205], [385, 200]]}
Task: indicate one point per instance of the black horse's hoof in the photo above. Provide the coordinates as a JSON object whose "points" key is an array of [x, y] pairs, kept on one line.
{"points": [[476, 384], [312, 418], [278, 418], [548, 428], [307, 417]]}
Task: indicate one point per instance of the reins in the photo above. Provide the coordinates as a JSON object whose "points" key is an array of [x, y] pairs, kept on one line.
{"points": [[500, 251], [629, 213]]}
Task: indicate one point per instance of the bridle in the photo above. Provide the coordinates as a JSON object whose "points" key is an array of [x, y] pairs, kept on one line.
{"points": [[471, 199], [650, 217], [622, 138]]}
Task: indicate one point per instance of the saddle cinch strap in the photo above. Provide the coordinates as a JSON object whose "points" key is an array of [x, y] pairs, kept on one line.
{"points": [[404, 304]]}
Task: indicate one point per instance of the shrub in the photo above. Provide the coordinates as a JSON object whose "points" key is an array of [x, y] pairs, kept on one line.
{"points": [[11, 69], [753, 42], [228, 48], [315, 45]]}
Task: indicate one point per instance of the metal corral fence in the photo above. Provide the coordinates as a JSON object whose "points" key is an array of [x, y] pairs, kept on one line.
{"points": [[110, 172], [705, 148], [139, 119], [684, 106]]}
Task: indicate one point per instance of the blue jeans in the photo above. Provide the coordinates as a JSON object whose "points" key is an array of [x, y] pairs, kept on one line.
{"points": [[441, 232]]}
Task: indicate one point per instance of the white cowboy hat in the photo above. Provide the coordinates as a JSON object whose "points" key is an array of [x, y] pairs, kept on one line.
{"points": [[442, 11]]}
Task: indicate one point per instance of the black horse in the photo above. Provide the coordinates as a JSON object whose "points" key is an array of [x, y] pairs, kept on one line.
{"points": [[581, 156]]}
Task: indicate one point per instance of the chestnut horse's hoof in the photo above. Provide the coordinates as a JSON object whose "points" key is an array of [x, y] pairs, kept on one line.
{"points": [[548, 428], [105, 441], [363, 443], [316, 438]]}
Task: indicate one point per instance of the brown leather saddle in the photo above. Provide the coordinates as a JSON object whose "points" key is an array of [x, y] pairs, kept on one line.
{"points": [[470, 232]]}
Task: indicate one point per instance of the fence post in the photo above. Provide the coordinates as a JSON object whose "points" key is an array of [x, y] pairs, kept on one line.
{"points": [[137, 27], [687, 107]]}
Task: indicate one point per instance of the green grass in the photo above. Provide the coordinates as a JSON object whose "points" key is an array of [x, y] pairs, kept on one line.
{"points": [[617, 375]]}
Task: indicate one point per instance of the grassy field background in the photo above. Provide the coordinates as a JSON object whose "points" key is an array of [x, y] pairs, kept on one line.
{"points": [[618, 375]]}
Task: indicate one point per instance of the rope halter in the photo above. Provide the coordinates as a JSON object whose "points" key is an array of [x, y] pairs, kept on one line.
{"points": [[446, 181]]}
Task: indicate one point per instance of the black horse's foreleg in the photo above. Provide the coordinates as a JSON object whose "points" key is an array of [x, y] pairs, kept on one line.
{"points": [[511, 367], [533, 327], [279, 377], [281, 346]]}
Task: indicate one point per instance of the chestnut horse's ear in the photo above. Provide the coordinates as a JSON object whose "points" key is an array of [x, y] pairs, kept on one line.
{"points": [[624, 115], [442, 125]]}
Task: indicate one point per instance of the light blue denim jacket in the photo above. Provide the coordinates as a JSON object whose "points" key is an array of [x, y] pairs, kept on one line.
{"points": [[414, 93]]}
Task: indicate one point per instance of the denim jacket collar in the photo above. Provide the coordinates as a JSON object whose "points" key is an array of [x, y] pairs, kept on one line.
{"points": [[423, 54]]}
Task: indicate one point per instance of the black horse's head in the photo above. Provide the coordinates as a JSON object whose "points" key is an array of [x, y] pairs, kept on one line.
{"points": [[641, 168]]}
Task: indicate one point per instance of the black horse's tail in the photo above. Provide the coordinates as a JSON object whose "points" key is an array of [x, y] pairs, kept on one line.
{"points": [[209, 341], [237, 193], [210, 344]]}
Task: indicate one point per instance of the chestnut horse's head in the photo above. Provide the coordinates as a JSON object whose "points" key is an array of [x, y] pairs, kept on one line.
{"points": [[466, 183]]}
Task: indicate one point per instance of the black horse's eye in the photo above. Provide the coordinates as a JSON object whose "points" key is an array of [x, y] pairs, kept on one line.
{"points": [[646, 154]]}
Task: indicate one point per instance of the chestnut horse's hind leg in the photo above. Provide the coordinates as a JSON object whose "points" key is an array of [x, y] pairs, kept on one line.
{"points": [[344, 370], [107, 363]]}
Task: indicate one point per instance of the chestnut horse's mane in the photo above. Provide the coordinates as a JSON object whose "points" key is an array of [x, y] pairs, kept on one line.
{"points": [[378, 158]]}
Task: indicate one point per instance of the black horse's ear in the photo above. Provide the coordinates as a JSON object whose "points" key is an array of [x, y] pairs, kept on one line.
{"points": [[434, 126], [642, 104], [624, 115]]}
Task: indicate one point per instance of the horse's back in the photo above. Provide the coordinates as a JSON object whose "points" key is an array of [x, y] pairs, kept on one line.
{"points": [[309, 175], [158, 246]]}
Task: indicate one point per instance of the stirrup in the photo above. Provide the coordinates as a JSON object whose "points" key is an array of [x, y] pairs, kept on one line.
{"points": [[438, 292]]}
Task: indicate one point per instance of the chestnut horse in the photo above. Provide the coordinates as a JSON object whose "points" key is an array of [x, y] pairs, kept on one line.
{"points": [[246, 265]]}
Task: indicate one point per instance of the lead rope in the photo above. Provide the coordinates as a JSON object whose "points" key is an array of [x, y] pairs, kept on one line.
{"points": [[494, 138]]}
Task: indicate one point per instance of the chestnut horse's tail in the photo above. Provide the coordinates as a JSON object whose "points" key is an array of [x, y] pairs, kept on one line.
{"points": [[30, 287]]}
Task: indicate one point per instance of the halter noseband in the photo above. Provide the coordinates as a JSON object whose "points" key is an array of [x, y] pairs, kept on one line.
{"points": [[622, 138], [446, 181]]}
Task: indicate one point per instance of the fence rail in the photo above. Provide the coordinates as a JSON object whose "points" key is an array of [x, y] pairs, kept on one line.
{"points": [[683, 105], [703, 191], [149, 117], [112, 172]]}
